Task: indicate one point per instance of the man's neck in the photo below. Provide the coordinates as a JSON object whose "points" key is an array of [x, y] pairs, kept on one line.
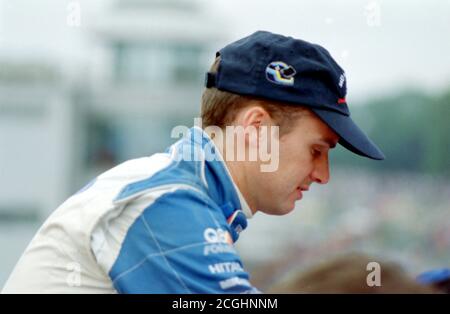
{"points": [[237, 172]]}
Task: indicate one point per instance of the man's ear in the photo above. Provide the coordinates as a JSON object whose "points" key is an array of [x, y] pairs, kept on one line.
{"points": [[252, 118]]}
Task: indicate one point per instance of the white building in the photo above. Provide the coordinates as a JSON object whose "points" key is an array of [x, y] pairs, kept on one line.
{"points": [[146, 74]]}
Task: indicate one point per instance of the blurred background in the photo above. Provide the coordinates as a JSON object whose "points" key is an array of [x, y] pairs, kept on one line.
{"points": [[85, 85]]}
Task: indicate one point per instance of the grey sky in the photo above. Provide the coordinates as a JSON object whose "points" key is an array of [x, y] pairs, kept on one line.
{"points": [[409, 45]]}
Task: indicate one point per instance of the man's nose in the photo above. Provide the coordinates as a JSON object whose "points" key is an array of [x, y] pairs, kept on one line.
{"points": [[321, 172]]}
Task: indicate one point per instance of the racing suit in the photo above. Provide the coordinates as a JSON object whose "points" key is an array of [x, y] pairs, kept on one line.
{"points": [[160, 224]]}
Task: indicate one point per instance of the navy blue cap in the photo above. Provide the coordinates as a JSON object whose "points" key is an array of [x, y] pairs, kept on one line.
{"points": [[294, 71]]}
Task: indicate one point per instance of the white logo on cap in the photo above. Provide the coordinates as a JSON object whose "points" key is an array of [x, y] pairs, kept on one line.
{"points": [[341, 80]]}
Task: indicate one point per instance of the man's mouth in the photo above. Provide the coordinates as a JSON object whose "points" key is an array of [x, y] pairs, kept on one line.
{"points": [[299, 194], [300, 191]]}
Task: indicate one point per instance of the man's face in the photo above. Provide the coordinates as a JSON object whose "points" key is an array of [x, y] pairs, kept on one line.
{"points": [[303, 160]]}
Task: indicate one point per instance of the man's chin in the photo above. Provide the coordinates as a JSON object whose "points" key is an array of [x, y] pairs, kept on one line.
{"points": [[289, 209], [280, 211]]}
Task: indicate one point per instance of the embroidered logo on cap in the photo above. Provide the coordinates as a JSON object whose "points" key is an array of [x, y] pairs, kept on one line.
{"points": [[280, 73]]}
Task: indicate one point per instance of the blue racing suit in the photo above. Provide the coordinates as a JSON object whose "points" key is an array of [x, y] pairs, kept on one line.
{"points": [[160, 224]]}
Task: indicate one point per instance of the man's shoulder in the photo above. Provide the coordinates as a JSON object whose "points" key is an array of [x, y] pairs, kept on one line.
{"points": [[155, 172]]}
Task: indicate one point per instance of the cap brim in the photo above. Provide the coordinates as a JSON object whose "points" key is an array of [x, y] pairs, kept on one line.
{"points": [[351, 136]]}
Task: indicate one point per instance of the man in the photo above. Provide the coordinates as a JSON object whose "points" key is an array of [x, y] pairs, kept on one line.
{"points": [[167, 223]]}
